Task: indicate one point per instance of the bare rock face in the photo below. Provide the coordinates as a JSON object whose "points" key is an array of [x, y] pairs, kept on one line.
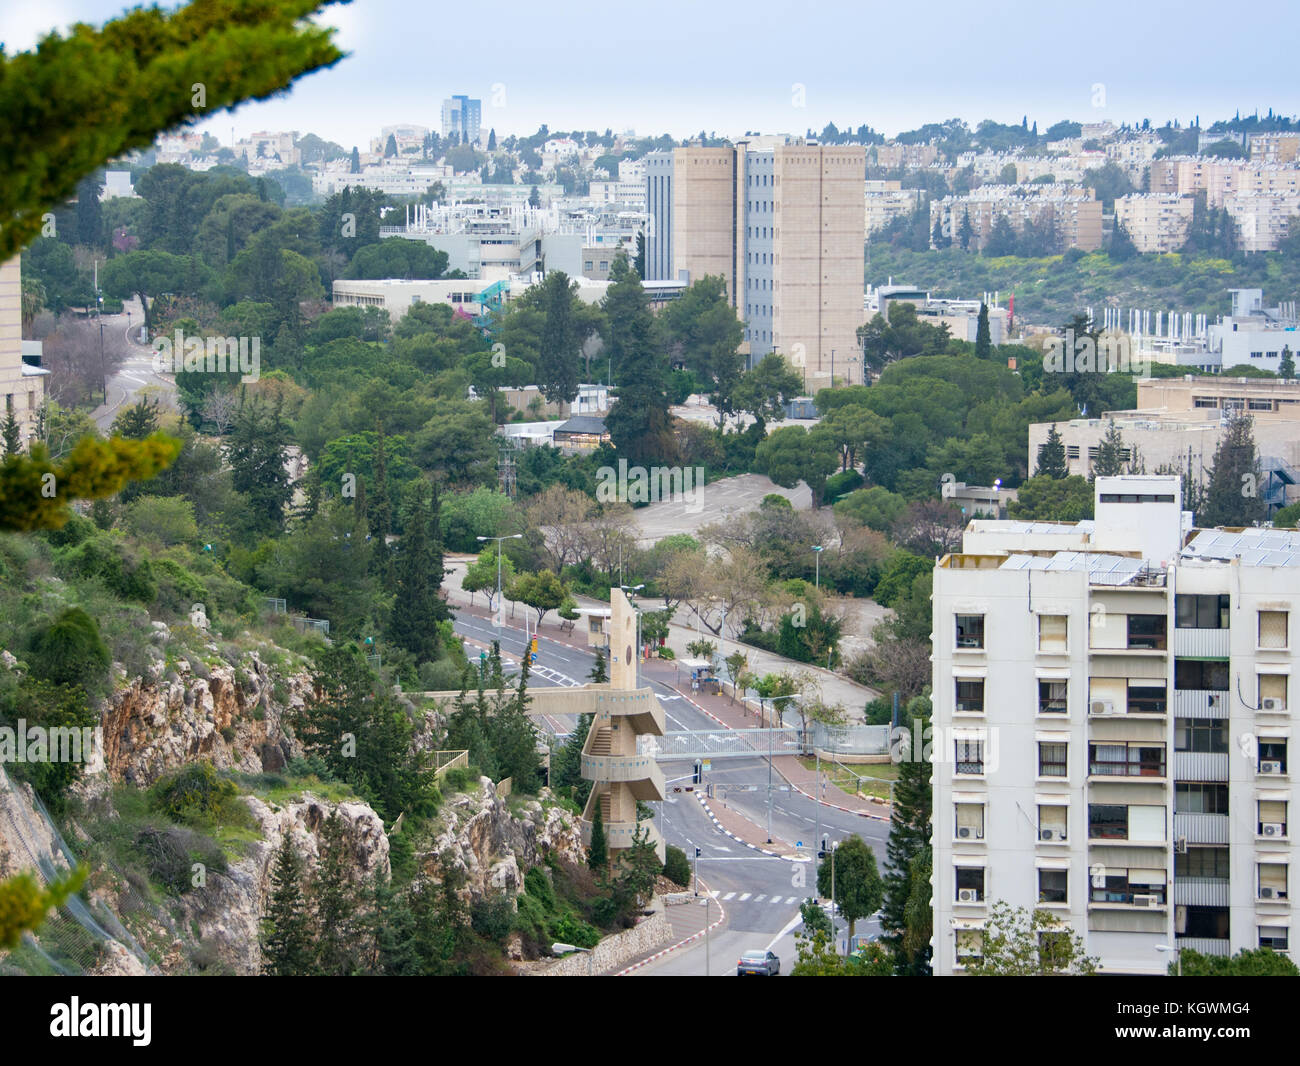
{"points": [[155, 725], [228, 910], [494, 848]]}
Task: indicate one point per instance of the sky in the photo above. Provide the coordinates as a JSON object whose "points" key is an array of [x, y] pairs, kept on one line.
{"points": [[774, 66]]}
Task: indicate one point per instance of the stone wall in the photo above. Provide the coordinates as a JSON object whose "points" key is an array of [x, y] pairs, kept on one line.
{"points": [[614, 951]]}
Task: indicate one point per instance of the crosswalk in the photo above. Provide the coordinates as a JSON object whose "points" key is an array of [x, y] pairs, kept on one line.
{"points": [[749, 897]]}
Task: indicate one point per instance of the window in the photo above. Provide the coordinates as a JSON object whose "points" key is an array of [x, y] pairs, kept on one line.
{"points": [[1052, 821], [970, 879], [1201, 674], [1274, 937], [1206, 923], [1052, 886], [1203, 862], [1052, 697], [1201, 734], [1272, 880], [1052, 760], [1193, 797], [969, 823], [970, 631], [1272, 629], [1272, 757], [1272, 692], [1147, 698], [969, 756], [970, 697], [1107, 821], [1053, 632], [1272, 818], [1146, 631], [1126, 760], [970, 945]]}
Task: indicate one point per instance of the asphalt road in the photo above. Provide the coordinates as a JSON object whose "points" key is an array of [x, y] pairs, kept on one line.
{"points": [[760, 893], [135, 373]]}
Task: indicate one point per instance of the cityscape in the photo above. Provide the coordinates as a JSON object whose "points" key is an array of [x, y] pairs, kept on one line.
{"points": [[437, 541]]}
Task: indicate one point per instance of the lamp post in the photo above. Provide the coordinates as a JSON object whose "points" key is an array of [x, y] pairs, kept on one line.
{"points": [[770, 752], [1178, 954], [566, 949], [513, 536], [818, 549]]}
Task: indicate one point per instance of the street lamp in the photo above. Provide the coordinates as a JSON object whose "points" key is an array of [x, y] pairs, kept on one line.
{"points": [[1178, 953], [818, 549], [513, 536], [770, 753], [567, 949]]}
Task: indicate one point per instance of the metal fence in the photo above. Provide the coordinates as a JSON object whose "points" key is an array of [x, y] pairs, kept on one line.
{"points": [[851, 739], [723, 744]]}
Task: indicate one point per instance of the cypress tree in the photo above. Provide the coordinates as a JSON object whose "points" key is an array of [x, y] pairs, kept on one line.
{"points": [[639, 424], [287, 942], [1110, 459], [339, 949], [417, 607], [381, 510], [12, 435], [598, 853], [909, 836], [983, 336], [1051, 456], [1232, 497]]}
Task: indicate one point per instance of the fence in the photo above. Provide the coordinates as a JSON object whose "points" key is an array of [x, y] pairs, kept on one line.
{"points": [[276, 605], [723, 744], [851, 739], [449, 760], [316, 625]]}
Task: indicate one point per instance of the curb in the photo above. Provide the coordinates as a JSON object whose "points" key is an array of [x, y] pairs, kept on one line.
{"points": [[722, 829], [722, 917]]}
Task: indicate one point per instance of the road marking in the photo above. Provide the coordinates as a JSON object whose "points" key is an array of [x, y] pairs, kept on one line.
{"points": [[759, 899], [789, 926], [745, 896], [775, 899], [729, 895]]}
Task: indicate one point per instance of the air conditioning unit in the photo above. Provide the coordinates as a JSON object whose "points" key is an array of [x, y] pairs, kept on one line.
{"points": [[1216, 701], [1180, 846], [1271, 705], [1100, 707], [965, 832], [1272, 829], [1146, 901], [1267, 893], [1271, 766], [1052, 834], [967, 895]]}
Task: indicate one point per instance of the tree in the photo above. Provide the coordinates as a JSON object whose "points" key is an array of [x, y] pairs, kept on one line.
{"points": [[817, 956], [1046, 499], [1286, 367], [765, 390], [1051, 457], [557, 364], [255, 450], [24, 902], [599, 675], [1016, 942], [983, 337], [638, 424], [418, 573], [566, 764], [909, 836], [149, 273], [138, 421], [355, 166], [481, 574], [542, 591], [793, 454], [1110, 459], [13, 437], [1250, 962], [288, 941], [1232, 497], [337, 903], [1002, 238], [857, 885], [967, 232], [598, 851]]}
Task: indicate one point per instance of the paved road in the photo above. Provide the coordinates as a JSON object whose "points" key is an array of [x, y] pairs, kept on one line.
{"points": [[134, 375]]}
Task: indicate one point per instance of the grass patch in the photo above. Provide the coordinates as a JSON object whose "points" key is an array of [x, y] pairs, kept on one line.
{"points": [[866, 779]]}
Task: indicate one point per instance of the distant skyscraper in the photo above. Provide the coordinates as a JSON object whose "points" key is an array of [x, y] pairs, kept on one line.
{"points": [[783, 224], [461, 115]]}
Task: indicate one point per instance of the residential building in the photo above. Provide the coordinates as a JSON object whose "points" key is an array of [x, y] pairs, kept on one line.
{"points": [[1112, 731], [886, 201], [960, 316], [463, 117], [22, 386], [1157, 222], [1263, 220], [1274, 147], [781, 221], [1074, 211]]}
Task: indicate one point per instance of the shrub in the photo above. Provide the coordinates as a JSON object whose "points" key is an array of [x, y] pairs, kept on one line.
{"points": [[677, 868], [70, 651], [196, 794], [492, 918], [170, 854], [573, 930], [841, 484], [106, 559], [165, 520]]}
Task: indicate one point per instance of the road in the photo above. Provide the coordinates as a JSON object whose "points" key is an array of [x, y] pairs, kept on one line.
{"points": [[134, 375], [759, 893]]}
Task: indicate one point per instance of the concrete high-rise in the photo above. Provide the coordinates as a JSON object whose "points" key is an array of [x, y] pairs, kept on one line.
{"points": [[782, 223], [462, 116]]}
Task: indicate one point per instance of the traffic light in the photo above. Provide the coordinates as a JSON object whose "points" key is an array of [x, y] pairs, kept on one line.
{"points": [[699, 769], [697, 853]]}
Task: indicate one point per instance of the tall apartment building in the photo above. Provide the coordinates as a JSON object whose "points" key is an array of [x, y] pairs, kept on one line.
{"points": [[1157, 222], [783, 224], [1274, 147], [22, 387], [1074, 210], [1112, 730], [1220, 178], [462, 116]]}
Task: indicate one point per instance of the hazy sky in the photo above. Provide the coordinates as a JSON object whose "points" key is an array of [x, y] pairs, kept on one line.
{"points": [[680, 66]]}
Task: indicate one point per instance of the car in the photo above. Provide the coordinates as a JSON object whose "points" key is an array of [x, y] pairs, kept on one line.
{"points": [[760, 963]]}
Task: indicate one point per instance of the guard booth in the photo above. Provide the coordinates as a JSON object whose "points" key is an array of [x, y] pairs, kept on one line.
{"points": [[702, 677], [597, 626]]}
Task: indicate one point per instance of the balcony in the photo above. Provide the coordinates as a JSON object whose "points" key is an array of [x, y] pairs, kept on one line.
{"points": [[1201, 765], [1201, 891], [1202, 643], [640, 772], [640, 709], [1202, 828], [1200, 703], [1205, 945], [620, 834]]}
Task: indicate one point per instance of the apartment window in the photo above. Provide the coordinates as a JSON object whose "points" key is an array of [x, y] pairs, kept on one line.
{"points": [[1272, 880], [1272, 629], [1201, 674], [1052, 697], [1052, 761], [1201, 735], [970, 879], [1052, 886], [970, 697], [1272, 818], [970, 631], [1206, 923], [1272, 692], [1272, 757], [1072, 451], [1203, 862], [969, 756], [1133, 885], [1273, 937], [970, 945], [1053, 632], [1052, 821], [1146, 631], [586, 264], [969, 824], [1126, 760], [1198, 797], [1107, 821], [1147, 698]]}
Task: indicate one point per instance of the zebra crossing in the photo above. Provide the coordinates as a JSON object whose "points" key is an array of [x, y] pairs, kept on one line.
{"points": [[750, 897]]}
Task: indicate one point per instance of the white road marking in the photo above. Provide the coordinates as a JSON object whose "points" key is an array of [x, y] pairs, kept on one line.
{"points": [[745, 896], [729, 895], [759, 899]]}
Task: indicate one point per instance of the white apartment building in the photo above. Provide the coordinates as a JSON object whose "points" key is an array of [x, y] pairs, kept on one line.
{"points": [[886, 201], [1156, 222], [1074, 210], [1112, 730], [1263, 220]]}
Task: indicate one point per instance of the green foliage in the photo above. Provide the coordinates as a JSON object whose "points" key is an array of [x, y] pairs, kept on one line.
{"points": [[899, 574], [1017, 942], [1251, 962], [70, 651], [287, 933], [1233, 496], [24, 903], [63, 711], [909, 837], [494, 726], [598, 851], [418, 572], [677, 867], [1047, 499], [196, 795], [1051, 457], [793, 454], [875, 507], [858, 889]]}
